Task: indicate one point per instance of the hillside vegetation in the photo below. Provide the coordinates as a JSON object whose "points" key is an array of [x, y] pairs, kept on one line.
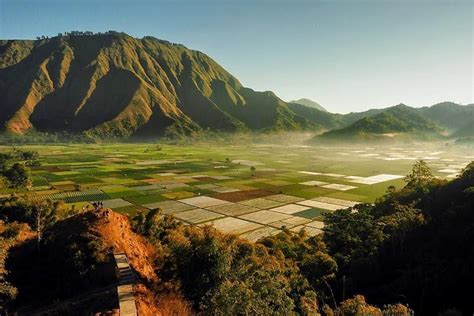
{"points": [[391, 122], [450, 115], [114, 85], [111, 85], [412, 247]]}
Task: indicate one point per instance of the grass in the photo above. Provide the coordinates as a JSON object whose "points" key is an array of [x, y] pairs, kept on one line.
{"points": [[314, 213], [130, 210], [375, 191], [145, 199], [90, 167], [178, 195]]}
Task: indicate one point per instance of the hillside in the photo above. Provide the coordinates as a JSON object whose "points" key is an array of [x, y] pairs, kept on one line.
{"points": [[84, 275], [449, 115], [309, 103], [466, 130], [114, 85], [414, 243], [111, 85], [392, 122], [421, 234]]}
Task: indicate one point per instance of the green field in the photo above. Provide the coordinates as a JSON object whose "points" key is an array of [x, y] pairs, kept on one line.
{"points": [[137, 177]]}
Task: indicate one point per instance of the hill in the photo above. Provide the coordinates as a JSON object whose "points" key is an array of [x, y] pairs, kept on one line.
{"points": [[449, 115], [83, 280], [466, 130], [309, 103], [389, 123], [111, 85], [421, 234], [114, 85]]}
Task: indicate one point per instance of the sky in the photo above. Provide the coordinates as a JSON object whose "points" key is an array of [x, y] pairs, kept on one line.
{"points": [[347, 55]]}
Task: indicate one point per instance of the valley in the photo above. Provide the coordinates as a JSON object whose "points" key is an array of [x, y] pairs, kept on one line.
{"points": [[252, 190]]}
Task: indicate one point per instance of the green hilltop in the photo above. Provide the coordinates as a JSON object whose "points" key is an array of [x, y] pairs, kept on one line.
{"points": [[392, 122]]}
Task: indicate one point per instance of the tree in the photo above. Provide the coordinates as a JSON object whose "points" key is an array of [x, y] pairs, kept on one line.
{"points": [[18, 175], [224, 275], [7, 291], [4, 183], [420, 175], [357, 306], [253, 170], [397, 310], [351, 236], [5, 159], [44, 216]]}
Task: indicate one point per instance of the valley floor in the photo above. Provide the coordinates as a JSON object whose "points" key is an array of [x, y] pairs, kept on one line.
{"points": [[252, 190]]}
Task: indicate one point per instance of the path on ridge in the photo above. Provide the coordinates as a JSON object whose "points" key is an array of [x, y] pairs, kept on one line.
{"points": [[125, 286]]}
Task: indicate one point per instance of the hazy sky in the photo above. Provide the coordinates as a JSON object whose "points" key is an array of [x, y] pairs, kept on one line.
{"points": [[346, 55]]}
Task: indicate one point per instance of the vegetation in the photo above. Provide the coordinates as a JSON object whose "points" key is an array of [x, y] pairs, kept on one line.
{"points": [[186, 89], [392, 121], [185, 92], [411, 249], [413, 245], [14, 168], [450, 115], [35, 137], [35, 274]]}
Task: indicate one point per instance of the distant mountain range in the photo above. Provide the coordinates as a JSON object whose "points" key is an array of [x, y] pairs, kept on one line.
{"points": [[309, 103], [112, 85], [440, 121]]}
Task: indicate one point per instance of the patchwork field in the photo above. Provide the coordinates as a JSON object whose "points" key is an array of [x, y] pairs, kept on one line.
{"points": [[252, 190]]}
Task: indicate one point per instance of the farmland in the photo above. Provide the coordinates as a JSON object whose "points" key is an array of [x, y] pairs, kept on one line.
{"points": [[252, 190]]}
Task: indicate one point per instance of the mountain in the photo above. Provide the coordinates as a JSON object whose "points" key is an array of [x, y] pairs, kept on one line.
{"points": [[466, 130], [394, 121], [449, 115], [113, 85], [309, 103]]}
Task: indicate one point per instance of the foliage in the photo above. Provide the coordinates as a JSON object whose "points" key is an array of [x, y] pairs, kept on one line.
{"points": [[224, 274], [25, 210], [14, 171], [420, 175], [8, 236], [357, 306], [397, 310], [394, 120], [71, 259], [18, 176], [4, 183], [35, 137], [415, 244], [308, 253]]}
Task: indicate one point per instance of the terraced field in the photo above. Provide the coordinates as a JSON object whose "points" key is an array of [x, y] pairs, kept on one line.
{"points": [[213, 184]]}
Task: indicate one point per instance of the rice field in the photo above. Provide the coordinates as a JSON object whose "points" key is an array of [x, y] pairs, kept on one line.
{"points": [[211, 184]]}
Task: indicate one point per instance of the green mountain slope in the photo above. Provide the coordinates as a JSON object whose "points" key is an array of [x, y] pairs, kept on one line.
{"points": [[467, 130], [391, 122], [309, 103], [449, 115], [113, 85]]}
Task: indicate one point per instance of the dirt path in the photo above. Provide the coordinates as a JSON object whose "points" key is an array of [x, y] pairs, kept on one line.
{"points": [[125, 286]]}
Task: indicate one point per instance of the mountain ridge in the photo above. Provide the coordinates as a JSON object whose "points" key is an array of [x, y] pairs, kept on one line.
{"points": [[158, 87], [111, 85], [394, 121], [309, 103]]}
